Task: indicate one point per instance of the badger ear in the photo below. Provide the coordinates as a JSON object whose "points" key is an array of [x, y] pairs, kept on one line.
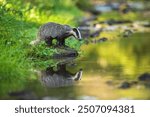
{"points": [[76, 30]]}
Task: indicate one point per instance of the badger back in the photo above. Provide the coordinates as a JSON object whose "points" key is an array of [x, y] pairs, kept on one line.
{"points": [[56, 81], [51, 30]]}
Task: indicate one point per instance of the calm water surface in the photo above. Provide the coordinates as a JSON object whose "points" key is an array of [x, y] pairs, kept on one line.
{"points": [[111, 70]]}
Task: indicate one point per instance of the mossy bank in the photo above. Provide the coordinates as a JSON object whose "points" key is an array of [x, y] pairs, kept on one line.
{"points": [[20, 21]]}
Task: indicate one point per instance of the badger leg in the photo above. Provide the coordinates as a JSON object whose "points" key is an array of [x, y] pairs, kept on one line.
{"points": [[61, 42], [48, 41]]}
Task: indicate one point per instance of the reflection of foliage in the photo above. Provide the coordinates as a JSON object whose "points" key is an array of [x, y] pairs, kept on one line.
{"points": [[12, 75], [127, 57], [11, 84]]}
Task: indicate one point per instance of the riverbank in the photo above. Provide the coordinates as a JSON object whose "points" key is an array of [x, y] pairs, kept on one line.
{"points": [[20, 21], [21, 63]]}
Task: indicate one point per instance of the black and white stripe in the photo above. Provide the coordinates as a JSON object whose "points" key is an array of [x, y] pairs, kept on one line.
{"points": [[76, 30]]}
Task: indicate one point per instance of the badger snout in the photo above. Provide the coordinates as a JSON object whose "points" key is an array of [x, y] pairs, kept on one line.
{"points": [[77, 33]]}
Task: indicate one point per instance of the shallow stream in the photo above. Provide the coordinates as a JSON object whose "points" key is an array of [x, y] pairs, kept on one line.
{"points": [[117, 69]]}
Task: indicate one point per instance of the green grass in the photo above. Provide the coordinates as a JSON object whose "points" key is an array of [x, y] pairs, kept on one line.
{"points": [[19, 23]]}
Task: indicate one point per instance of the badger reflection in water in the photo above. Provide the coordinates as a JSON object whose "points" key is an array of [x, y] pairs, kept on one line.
{"points": [[59, 78]]}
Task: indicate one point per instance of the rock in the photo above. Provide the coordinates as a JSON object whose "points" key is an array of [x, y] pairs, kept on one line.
{"points": [[124, 8], [65, 52], [146, 24], [114, 22], [95, 12], [85, 33], [127, 33], [96, 33], [102, 39], [103, 8], [86, 30], [95, 41], [134, 82], [144, 77], [86, 21], [125, 85]]}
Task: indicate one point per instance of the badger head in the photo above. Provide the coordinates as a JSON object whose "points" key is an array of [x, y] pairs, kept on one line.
{"points": [[78, 75], [76, 33], [72, 31]]}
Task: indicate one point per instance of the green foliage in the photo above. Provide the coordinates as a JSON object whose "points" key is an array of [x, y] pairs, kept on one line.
{"points": [[74, 43], [41, 52], [19, 23]]}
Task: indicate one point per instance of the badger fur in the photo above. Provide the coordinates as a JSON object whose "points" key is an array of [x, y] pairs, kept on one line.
{"points": [[60, 77], [50, 31]]}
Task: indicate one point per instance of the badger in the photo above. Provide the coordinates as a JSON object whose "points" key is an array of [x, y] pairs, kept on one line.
{"points": [[51, 30], [59, 78]]}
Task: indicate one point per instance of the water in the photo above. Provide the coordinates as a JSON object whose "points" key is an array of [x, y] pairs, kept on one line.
{"points": [[103, 8], [110, 71], [115, 6]]}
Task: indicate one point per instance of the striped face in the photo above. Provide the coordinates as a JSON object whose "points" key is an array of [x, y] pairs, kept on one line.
{"points": [[77, 33]]}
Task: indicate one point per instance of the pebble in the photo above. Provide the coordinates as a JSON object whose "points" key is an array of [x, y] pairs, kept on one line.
{"points": [[144, 77]]}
